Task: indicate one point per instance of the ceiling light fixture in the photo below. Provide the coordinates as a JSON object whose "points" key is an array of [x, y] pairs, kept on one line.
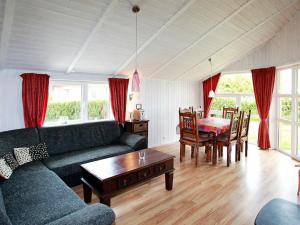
{"points": [[135, 86], [211, 93]]}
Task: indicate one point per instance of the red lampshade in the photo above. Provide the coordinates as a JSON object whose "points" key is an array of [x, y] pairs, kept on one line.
{"points": [[135, 86]]}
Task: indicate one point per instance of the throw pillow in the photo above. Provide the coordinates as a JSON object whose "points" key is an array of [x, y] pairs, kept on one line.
{"points": [[5, 170], [22, 155], [38, 152], [10, 160], [32, 153]]}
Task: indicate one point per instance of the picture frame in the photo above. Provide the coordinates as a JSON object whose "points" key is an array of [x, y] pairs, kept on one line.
{"points": [[138, 106]]}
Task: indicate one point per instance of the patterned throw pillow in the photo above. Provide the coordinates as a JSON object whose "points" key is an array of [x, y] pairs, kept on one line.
{"points": [[10, 160], [32, 153], [38, 152], [22, 155], [5, 170]]}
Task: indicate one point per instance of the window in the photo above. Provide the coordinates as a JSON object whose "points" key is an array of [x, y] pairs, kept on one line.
{"points": [[75, 102], [236, 90], [288, 110]]}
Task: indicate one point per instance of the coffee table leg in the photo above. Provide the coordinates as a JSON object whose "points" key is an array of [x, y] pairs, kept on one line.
{"points": [[169, 180], [105, 200], [87, 193]]}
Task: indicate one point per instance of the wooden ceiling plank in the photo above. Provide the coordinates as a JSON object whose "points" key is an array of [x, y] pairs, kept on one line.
{"points": [[211, 30], [244, 35], [156, 34], [91, 35], [6, 30]]}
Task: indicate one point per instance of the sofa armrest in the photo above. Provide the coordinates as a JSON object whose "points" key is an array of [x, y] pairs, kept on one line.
{"points": [[136, 142], [96, 214]]}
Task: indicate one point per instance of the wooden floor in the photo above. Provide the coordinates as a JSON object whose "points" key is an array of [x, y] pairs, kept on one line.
{"points": [[209, 194]]}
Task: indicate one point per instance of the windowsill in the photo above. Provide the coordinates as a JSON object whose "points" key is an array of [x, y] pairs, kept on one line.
{"points": [[58, 124]]}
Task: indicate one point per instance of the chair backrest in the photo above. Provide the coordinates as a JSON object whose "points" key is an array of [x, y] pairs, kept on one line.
{"points": [[235, 127], [245, 124], [227, 111], [188, 126], [183, 110]]}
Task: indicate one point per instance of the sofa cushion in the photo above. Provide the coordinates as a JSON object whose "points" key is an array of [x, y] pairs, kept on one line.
{"points": [[69, 163], [18, 138], [4, 220], [80, 136], [38, 198]]}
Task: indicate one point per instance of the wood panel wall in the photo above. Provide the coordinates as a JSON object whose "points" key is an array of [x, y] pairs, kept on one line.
{"points": [[161, 100]]}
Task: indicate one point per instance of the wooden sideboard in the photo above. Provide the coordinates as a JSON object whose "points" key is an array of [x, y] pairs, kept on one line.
{"points": [[137, 127]]}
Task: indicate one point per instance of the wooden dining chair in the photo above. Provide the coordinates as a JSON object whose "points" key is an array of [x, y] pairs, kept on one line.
{"points": [[245, 123], [227, 111], [231, 137], [189, 135]]}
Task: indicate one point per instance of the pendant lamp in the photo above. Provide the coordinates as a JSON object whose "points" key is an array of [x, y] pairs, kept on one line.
{"points": [[135, 86], [211, 93]]}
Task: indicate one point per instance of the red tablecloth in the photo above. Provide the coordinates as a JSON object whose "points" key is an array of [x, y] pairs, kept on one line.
{"points": [[213, 124]]}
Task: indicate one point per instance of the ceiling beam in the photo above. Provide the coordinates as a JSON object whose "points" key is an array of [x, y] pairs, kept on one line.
{"points": [[202, 37], [91, 35], [156, 34], [6, 30], [268, 19]]}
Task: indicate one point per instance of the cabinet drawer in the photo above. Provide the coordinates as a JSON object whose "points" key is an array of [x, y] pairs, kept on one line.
{"points": [[145, 173], [160, 168], [139, 127], [127, 180]]}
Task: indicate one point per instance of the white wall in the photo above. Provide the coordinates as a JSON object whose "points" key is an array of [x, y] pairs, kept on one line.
{"points": [[283, 49], [159, 98]]}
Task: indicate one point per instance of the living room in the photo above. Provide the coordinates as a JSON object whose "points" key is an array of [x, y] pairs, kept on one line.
{"points": [[149, 112]]}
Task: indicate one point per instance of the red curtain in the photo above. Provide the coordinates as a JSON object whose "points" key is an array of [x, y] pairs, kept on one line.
{"points": [[35, 88], [263, 85], [213, 81], [118, 95]]}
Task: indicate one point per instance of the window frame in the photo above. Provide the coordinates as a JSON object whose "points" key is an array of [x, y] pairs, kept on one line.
{"points": [[294, 124], [238, 96], [83, 102]]}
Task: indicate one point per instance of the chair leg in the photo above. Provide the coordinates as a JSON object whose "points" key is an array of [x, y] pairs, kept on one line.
{"points": [[196, 149], [208, 154], [228, 155], [237, 152], [298, 183], [242, 146], [182, 151], [246, 148], [192, 151]]}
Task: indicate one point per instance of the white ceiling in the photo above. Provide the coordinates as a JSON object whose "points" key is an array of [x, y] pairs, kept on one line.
{"points": [[176, 38]]}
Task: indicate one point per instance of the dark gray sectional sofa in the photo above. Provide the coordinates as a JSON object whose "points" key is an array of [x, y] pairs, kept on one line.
{"points": [[38, 192]]}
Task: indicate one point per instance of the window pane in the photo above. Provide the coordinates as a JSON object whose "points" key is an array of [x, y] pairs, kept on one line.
{"points": [[235, 83], [285, 136], [64, 103], [248, 103], [285, 81], [285, 108], [98, 104], [298, 149], [219, 103], [298, 81]]}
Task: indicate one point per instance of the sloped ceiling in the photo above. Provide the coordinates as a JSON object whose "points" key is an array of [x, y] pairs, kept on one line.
{"points": [[175, 38]]}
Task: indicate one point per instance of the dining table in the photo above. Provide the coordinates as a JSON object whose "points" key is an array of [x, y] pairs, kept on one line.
{"points": [[214, 126]]}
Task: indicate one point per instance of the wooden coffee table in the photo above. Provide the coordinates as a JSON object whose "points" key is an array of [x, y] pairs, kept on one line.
{"points": [[107, 177]]}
